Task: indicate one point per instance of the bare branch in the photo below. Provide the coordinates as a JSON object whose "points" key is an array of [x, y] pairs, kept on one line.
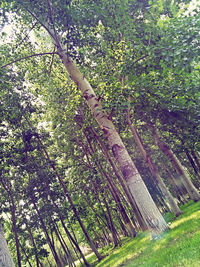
{"points": [[26, 35], [34, 55]]}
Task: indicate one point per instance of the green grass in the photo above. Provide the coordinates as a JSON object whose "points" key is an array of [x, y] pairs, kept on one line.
{"points": [[178, 247]]}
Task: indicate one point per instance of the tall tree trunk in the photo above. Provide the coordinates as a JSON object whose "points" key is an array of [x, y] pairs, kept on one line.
{"points": [[5, 257], [195, 168], [192, 191], [167, 195], [145, 203]]}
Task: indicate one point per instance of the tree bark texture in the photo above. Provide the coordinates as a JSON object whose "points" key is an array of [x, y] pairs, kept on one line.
{"points": [[5, 257]]}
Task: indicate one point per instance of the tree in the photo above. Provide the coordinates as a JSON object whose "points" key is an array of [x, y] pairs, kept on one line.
{"points": [[147, 207], [47, 142]]}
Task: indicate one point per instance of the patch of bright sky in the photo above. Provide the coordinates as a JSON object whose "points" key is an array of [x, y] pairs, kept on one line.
{"points": [[194, 4], [9, 30]]}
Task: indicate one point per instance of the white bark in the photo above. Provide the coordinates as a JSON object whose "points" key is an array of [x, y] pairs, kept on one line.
{"points": [[5, 257]]}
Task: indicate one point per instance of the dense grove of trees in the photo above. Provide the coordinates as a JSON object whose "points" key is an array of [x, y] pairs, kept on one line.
{"points": [[99, 124]]}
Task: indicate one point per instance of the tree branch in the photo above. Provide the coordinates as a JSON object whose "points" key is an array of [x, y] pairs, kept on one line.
{"points": [[26, 35], [34, 55], [33, 15], [140, 58], [52, 21]]}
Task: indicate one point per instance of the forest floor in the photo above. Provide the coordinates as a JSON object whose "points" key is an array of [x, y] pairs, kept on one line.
{"points": [[180, 246]]}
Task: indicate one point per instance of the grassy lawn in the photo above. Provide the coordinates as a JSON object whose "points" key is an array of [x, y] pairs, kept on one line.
{"points": [[178, 247]]}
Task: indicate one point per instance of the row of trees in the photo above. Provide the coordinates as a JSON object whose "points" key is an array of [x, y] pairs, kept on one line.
{"points": [[67, 174]]}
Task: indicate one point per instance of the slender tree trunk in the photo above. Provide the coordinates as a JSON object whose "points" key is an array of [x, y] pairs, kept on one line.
{"points": [[22, 248], [74, 242], [196, 159], [192, 191], [113, 230], [64, 245], [34, 246], [191, 161], [5, 257], [167, 195], [70, 201], [51, 245]]}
